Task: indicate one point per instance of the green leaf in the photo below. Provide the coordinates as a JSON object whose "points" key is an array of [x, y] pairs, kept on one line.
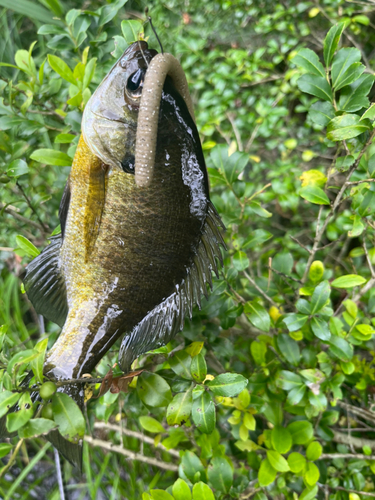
{"points": [[181, 490], [204, 414], [266, 474], [153, 390], [220, 474], [296, 462], [309, 493], [348, 281], [61, 68], [277, 461], [341, 348], [320, 328], [320, 296], [295, 322], [258, 316], [36, 427], [202, 492], [346, 127], [17, 168], [281, 439], [51, 157], [198, 368], [312, 474], [180, 362], [303, 306], [229, 166], [89, 72], [342, 66], [27, 246], [331, 42], [258, 352], [190, 465], [131, 30], [288, 348], [314, 194], [227, 384], [150, 424], [240, 261], [160, 495], [22, 416], [64, 138], [21, 358], [7, 400], [68, 417], [344, 162], [256, 238], [369, 113], [301, 431], [30, 9], [5, 449], [321, 113], [352, 97], [179, 408], [309, 60], [288, 380], [296, 395], [314, 450], [38, 362], [315, 85]]}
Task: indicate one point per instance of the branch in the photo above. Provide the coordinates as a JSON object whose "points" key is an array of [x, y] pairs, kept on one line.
{"points": [[259, 289], [357, 442], [12, 211], [135, 434], [360, 456], [130, 454], [336, 203], [367, 493]]}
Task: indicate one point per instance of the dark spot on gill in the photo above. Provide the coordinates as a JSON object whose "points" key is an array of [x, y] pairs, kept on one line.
{"points": [[128, 164]]}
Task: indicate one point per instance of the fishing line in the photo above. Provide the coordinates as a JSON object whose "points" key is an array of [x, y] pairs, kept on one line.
{"points": [[154, 30]]}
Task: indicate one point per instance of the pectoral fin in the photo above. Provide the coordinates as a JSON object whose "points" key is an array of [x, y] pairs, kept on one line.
{"points": [[45, 285]]}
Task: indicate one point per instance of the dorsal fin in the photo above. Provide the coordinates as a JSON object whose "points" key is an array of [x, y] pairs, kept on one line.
{"points": [[44, 284], [64, 206], [161, 324]]}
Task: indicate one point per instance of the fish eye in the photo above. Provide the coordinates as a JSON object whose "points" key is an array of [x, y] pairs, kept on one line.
{"points": [[134, 84]]}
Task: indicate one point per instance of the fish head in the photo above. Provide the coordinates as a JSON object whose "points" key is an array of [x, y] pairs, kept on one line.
{"points": [[109, 122]]}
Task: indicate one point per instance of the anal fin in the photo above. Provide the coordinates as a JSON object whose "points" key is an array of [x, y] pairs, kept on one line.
{"points": [[45, 285]]}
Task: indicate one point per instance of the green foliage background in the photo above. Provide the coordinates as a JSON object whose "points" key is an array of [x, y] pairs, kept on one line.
{"points": [[286, 337]]}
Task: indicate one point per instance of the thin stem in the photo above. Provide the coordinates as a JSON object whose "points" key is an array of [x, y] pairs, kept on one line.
{"points": [[131, 454]]}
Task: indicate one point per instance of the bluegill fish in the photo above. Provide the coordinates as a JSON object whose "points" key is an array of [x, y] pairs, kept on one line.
{"points": [[140, 236]]}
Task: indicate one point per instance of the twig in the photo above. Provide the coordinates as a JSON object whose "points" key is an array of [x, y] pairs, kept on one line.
{"points": [[283, 275], [16, 215], [271, 301], [235, 130], [44, 227], [135, 434], [60, 480], [368, 260], [12, 458], [130, 454], [300, 244], [359, 456], [320, 230], [367, 493], [355, 183], [342, 438]]}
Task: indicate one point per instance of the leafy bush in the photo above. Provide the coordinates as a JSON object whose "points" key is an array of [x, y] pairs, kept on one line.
{"points": [[267, 391]]}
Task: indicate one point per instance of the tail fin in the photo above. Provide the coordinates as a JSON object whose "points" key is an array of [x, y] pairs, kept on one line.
{"points": [[69, 450]]}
